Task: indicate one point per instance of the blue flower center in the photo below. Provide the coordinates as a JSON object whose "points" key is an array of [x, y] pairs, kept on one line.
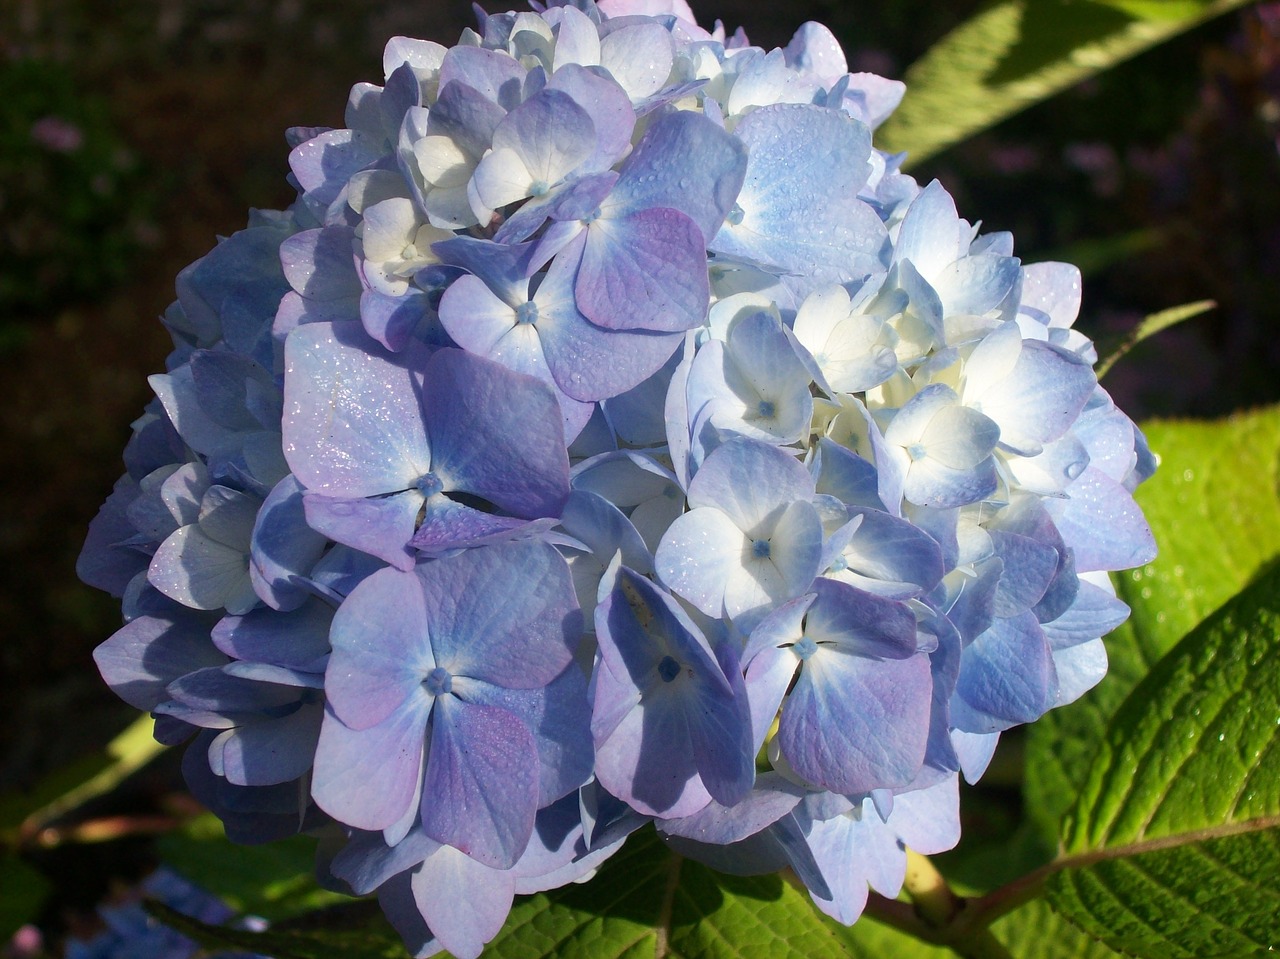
{"points": [[429, 484], [840, 565], [668, 669], [438, 682], [766, 409], [735, 215], [805, 648], [760, 548], [591, 217], [538, 188], [527, 313]]}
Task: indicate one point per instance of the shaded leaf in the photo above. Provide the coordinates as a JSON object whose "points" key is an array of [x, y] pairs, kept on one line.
{"points": [[1174, 843], [274, 880], [1016, 53], [372, 938], [22, 892], [1215, 510]]}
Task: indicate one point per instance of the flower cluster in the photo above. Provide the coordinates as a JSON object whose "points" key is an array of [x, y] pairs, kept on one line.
{"points": [[609, 434]]}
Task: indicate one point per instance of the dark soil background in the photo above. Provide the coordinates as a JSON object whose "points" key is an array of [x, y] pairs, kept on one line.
{"points": [[132, 133]]}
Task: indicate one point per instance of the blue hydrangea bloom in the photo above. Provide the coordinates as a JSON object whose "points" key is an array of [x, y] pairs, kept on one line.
{"points": [[575, 453]]}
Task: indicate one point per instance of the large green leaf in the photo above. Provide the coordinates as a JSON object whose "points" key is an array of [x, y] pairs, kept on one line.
{"points": [[1173, 847], [1018, 52], [1214, 505], [1035, 931]]}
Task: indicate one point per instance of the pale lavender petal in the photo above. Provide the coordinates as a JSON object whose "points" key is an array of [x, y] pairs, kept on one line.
{"points": [[380, 527], [353, 422], [368, 778], [381, 649], [464, 902]]}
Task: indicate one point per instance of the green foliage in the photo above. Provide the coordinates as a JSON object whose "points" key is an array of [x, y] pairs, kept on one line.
{"points": [[273, 881], [1175, 840], [72, 786], [1215, 509], [22, 892], [363, 934], [1035, 931], [1015, 53], [648, 901]]}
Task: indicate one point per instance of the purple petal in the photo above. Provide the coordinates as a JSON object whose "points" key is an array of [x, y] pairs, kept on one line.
{"points": [[496, 433], [481, 789], [645, 270], [522, 641], [685, 162]]}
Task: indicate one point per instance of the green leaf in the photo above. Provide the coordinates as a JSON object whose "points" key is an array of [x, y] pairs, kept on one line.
{"points": [[1152, 325], [1157, 9], [1214, 505], [274, 880], [369, 937], [646, 901], [1174, 843], [1035, 931], [22, 892], [1016, 53]]}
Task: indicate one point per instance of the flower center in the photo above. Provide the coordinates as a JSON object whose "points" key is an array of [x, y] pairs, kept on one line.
{"points": [[438, 682], [527, 313], [429, 484], [668, 669], [805, 648], [760, 548], [735, 215]]}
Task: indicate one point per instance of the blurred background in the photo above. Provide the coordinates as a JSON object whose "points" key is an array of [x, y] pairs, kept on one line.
{"points": [[134, 133]]}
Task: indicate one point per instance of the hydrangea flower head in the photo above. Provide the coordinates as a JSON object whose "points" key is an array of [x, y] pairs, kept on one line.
{"points": [[576, 453]]}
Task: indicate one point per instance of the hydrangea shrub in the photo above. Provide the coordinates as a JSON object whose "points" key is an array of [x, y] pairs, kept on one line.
{"points": [[609, 434]]}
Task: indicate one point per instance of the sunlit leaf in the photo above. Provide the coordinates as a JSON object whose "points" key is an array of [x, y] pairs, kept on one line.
{"points": [[1215, 510], [1015, 53], [1174, 842]]}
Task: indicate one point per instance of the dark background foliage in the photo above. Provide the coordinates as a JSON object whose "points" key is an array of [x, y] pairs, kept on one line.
{"points": [[133, 133]]}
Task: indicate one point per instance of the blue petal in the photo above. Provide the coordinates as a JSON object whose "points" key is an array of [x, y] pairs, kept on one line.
{"points": [[496, 433], [685, 162]]}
